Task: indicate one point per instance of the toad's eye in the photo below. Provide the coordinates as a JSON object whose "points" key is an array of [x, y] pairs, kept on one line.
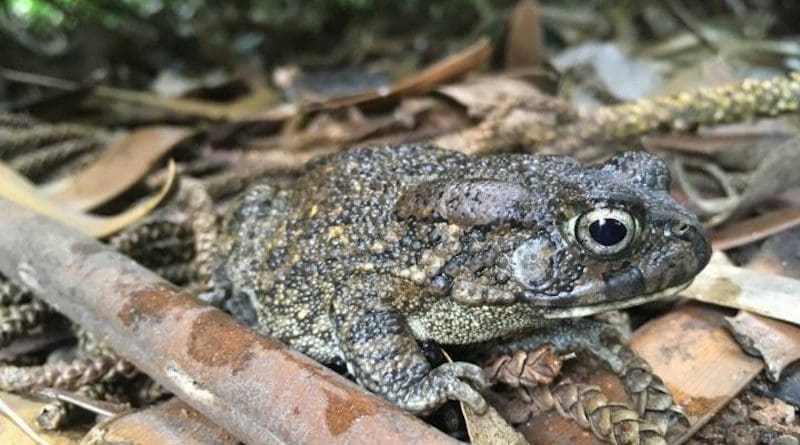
{"points": [[605, 232]]}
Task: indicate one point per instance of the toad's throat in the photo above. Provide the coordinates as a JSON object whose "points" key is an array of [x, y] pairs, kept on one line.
{"points": [[596, 308]]}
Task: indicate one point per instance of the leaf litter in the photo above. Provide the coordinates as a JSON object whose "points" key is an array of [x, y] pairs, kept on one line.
{"points": [[742, 179]]}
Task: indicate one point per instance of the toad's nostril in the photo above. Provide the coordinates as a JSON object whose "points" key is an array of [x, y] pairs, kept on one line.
{"points": [[692, 234], [680, 229]]}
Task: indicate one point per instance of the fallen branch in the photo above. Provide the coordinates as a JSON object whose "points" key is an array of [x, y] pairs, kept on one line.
{"points": [[254, 387]]}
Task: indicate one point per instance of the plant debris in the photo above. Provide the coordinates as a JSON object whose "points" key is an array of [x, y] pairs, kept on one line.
{"points": [[140, 123]]}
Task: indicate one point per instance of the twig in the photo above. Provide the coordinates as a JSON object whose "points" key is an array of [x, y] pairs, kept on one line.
{"points": [[106, 409]]}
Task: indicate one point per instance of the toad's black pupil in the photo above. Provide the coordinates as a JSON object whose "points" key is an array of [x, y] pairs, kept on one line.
{"points": [[607, 231]]}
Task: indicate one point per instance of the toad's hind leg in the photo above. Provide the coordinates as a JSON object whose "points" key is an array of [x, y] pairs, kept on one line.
{"points": [[385, 358]]}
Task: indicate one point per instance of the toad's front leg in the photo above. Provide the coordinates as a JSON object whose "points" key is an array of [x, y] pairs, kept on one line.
{"points": [[600, 339], [608, 343], [384, 357]]}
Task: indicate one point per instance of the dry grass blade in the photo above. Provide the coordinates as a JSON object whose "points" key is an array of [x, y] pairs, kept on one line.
{"points": [[19, 190], [755, 229], [117, 169]]}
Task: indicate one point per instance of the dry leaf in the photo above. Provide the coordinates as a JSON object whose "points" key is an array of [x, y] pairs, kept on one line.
{"points": [[258, 98], [443, 71], [776, 342], [524, 40], [481, 95], [19, 190], [490, 428], [753, 229], [730, 286], [117, 169], [708, 144]]}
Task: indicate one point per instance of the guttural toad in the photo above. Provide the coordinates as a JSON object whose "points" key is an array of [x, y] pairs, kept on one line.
{"points": [[375, 249]]}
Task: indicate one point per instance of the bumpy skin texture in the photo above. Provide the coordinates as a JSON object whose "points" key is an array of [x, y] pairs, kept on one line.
{"points": [[375, 249]]}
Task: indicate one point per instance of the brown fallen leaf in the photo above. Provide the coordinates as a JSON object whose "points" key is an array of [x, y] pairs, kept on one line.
{"points": [[445, 70], [524, 41], [708, 144], [117, 169], [755, 229], [19, 190], [778, 343], [698, 360]]}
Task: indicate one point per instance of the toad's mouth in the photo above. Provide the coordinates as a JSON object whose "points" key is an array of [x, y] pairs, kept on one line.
{"points": [[596, 308]]}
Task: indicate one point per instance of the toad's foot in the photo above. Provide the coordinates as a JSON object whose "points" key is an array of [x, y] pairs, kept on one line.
{"points": [[445, 383]]}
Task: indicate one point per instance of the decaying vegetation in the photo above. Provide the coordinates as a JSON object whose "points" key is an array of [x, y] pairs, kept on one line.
{"points": [[136, 123]]}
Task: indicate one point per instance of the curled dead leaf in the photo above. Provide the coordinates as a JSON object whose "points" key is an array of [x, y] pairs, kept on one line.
{"points": [[117, 169], [778, 343], [19, 190]]}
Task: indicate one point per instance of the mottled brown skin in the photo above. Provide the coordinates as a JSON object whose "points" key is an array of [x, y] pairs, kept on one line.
{"points": [[375, 249]]}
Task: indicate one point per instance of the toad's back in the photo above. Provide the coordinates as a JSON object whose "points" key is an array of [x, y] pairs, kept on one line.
{"points": [[284, 249]]}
